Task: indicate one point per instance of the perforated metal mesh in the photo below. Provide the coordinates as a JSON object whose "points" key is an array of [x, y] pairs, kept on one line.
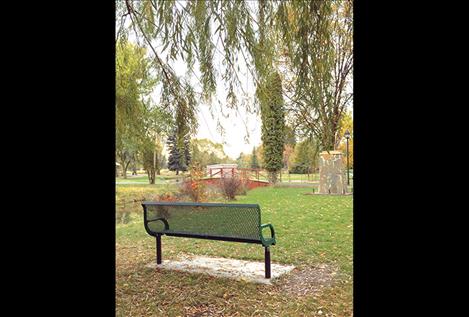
{"points": [[232, 220]]}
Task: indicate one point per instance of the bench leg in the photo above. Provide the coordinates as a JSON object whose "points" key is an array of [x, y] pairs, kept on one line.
{"points": [[158, 249], [267, 262]]}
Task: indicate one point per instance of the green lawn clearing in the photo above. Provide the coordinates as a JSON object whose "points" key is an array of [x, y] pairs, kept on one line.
{"points": [[300, 177], [312, 231], [143, 179]]}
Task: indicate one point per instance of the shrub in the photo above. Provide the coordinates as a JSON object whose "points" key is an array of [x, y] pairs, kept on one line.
{"points": [[243, 189], [231, 186], [193, 187], [168, 197], [195, 190]]}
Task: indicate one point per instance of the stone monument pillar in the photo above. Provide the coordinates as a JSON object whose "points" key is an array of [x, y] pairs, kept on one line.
{"points": [[332, 174]]}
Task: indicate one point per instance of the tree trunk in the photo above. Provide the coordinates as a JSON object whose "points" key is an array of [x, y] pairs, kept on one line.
{"points": [[177, 172], [329, 137], [154, 162], [151, 176], [124, 169], [273, 177]]}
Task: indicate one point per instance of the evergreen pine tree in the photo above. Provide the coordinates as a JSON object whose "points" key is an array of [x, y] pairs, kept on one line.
{"points": [[174, 158], [179, 158], [254, 162]]}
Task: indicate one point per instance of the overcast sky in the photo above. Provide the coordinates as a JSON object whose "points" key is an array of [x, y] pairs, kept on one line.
{"points": [[234, 136]]}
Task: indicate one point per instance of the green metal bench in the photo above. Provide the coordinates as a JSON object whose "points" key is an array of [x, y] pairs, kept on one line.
{"points": [[212, 221]]}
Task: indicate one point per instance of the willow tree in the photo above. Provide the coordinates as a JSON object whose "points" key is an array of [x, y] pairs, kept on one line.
{"points": [[309, 40], [176, 97], [319, 52], [200, 35]]}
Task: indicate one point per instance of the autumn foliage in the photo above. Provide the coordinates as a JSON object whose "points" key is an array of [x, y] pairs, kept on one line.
{"points": [[193, 187]]}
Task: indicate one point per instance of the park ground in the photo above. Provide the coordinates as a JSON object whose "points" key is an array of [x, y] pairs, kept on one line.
{"points": [[314, 233]]}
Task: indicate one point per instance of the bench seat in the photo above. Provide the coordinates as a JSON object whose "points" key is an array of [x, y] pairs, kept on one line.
{"points": [[213, 221]]}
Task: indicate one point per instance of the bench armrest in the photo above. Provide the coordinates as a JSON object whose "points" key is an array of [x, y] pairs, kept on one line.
{"points": [[268, 241], [166, 224]]}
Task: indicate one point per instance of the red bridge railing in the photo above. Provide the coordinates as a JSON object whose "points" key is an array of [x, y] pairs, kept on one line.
{"points": [[246, 173]]}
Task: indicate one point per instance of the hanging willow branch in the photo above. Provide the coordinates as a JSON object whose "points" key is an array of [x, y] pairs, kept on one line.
{"points": [[311, 39]]}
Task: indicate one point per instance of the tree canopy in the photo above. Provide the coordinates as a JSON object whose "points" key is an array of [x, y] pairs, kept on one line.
{"points": [[273, 126], [346, 124], [206, 152], [308, 42], [140, 124], [305, 156]]}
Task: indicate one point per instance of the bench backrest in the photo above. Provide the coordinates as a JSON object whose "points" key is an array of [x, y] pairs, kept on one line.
{"points": [[239, 221]]}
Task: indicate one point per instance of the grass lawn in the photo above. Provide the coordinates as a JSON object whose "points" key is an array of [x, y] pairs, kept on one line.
{"points": [[143, 179], [300, 177], [311, 231]]}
